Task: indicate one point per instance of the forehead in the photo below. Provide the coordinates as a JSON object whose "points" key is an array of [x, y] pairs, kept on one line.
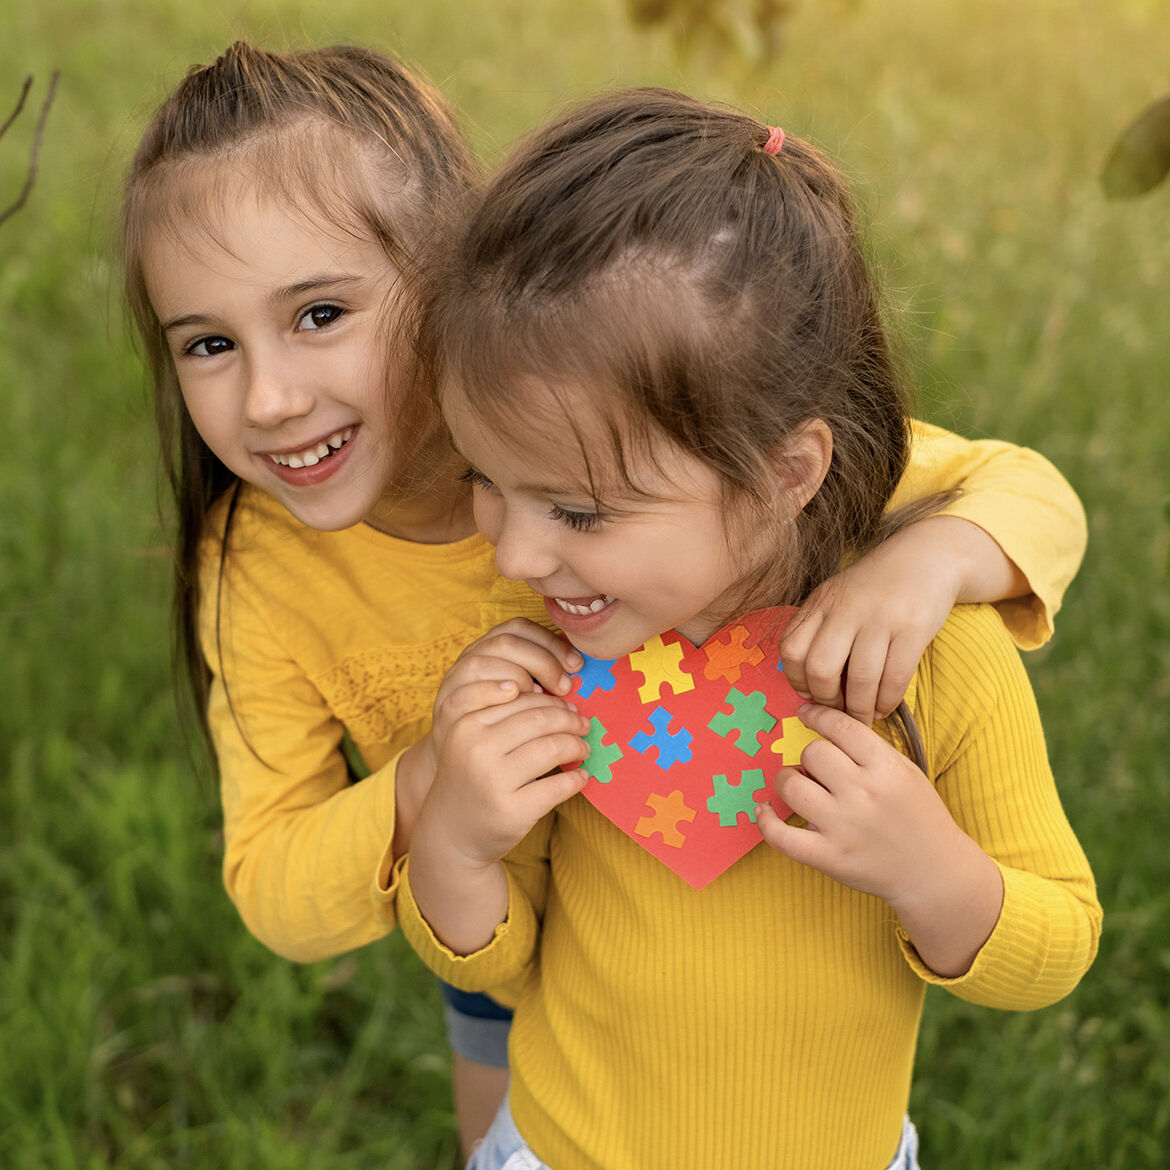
{"points": [[238, 237], [548, 440], [529, 428]]}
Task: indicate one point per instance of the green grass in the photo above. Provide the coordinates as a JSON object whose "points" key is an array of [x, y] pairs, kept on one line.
{"points": [[141, 1026]]}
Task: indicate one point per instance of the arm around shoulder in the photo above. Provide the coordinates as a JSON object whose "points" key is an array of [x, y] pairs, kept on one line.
{"points": [[1024, 505]]}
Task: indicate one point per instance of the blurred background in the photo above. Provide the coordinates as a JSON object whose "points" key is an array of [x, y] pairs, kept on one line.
{"points": [[140, 1026]]}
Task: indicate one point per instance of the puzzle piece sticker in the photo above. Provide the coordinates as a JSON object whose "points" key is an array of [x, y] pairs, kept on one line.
{"points": [[659, 663], [673, 747], [726, 659], [602, 756], [748, 718], [728, 800], [596, 675], [794, 738], [691, 802], [668, 813]]}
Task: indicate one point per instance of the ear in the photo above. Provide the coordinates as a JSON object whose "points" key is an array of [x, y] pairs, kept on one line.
{"points": [[802, 464]]}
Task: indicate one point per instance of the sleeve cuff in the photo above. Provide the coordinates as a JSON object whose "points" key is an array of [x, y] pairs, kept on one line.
{"points": [[1029, 619], [1035, 956], [500, 963], [384, 887]]}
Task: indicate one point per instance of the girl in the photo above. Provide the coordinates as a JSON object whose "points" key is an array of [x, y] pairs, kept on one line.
{"points": [[327, 568], [659, 350]]}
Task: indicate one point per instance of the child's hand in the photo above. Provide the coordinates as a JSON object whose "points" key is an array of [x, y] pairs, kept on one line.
{"points": [[877, 825], [856, 641], [515, 657], [498, 773]]}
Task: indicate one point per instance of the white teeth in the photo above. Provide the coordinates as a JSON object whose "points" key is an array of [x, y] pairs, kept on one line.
{"points": [[595, 606], [311, 456]]}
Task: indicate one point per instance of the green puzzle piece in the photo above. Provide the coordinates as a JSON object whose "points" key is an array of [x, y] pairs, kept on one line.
{"points": [[602, 756], [729, 800], [748, 717]]}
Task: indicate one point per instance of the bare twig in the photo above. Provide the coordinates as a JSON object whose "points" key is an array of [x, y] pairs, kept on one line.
{"points": [[35, 149], [19, 105]]}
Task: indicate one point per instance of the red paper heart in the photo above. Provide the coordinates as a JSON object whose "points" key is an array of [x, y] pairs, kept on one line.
{"points": [[686, 740]]}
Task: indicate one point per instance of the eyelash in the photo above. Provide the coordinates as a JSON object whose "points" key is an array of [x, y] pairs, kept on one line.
{"points": [[189, 350], [577, 521]]}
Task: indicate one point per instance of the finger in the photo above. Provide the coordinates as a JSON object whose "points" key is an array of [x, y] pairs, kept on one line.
{"points": [[475, 696], [540, 796], [825, 662], [855, 742], [539, 716], [518, 715], [534, 759], [556, 645], [510, 657], [863, 675], [794, 647], [901, 663], [803, 845], [804, 794]]}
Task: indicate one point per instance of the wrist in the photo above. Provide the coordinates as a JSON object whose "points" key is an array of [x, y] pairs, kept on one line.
{"points": [[951, 911], [412, 782], [981, 571]]}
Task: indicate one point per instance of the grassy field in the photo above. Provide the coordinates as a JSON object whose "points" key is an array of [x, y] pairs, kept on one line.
{"points": [[140, 1026]]}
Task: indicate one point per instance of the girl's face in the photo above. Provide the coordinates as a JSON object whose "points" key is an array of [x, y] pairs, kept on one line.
{"points": [[613, 575], [277, 329]]}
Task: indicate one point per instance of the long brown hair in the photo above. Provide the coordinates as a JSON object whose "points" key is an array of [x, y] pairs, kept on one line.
{"points": [[347, 132]]}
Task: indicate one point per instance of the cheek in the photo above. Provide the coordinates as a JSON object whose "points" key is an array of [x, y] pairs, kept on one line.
{"points": [[489, 514]]}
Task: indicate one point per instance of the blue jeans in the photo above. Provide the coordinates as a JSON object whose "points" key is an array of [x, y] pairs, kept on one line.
{"points": [[504, 1149], [477, 1027]]}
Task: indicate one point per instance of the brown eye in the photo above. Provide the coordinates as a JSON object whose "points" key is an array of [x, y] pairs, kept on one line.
{"points": [[319, 316], [209, 347]]}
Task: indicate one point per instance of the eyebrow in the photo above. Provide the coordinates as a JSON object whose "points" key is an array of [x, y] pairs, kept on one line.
{"points": [[289, 292]]}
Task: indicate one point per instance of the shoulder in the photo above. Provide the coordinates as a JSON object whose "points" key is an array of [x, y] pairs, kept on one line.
{"points": [[970, 678], [975, 646]]}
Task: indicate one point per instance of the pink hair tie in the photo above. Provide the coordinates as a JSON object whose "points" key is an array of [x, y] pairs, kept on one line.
{"points": [[775, 140]]}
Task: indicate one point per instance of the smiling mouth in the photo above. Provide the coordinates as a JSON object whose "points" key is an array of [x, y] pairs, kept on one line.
{"points": [[311, 456], [582, 606]]}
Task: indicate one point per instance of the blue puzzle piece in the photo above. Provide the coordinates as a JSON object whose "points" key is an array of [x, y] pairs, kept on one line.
{"points": [[596, 675], [673, 747]]}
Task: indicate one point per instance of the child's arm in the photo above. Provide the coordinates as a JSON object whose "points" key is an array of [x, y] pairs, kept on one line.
{"points": [[994, 895], [309, 855], [498, 773], [1015, 536], [876, 824]]}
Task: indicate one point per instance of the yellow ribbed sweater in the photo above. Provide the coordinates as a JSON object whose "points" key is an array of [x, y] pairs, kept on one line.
{"points": [[315, 633], [769, 1020]]}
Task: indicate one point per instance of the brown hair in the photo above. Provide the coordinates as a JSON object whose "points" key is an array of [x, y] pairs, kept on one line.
{"points": [[343, 131], [647, 247]]}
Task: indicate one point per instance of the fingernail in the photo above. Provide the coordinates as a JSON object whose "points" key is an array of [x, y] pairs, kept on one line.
{"points": [[804, 707], [575, 661], [564, 683]]}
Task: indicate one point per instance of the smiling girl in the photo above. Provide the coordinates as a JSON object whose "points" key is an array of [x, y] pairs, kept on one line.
{"points": [[658, 347]]}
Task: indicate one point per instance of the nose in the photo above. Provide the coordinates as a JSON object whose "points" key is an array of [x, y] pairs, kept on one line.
{"points": [[275, 391], [525, 550]]}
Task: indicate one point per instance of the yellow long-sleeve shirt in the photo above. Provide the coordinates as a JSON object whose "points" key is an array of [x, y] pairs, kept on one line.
{"points": [[319, 632], [769, 1020]]}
